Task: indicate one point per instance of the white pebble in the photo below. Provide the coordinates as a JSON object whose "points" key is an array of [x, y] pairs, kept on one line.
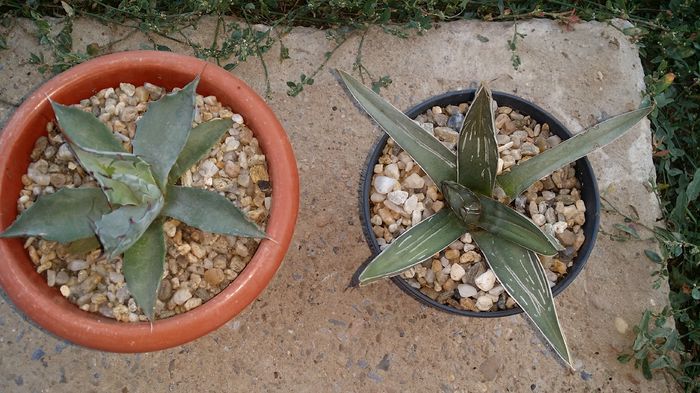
{"points": [[64, 153], [398, 197], [128, 88], [466, 290], [539, 219], [559, 227], [238, 119], [181, 296], [208, 169], [486, 280], [411, 204], [77, 264], [457, 272], [416, 217], [384, 184], [392, 171], [231, 144], [497, 290], [466, 238], [377, 197]]}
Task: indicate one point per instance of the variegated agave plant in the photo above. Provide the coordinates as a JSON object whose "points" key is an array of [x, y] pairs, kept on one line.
{"points": [[136, 190], [509, 241]]}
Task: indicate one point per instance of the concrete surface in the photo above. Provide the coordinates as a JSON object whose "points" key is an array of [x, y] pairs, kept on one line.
{"points": [[305, 333]]}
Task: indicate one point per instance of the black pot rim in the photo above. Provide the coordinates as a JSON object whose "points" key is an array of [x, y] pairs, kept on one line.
{"points": [[584, 172]]}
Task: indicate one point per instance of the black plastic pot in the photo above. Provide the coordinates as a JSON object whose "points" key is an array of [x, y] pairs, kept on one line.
{"points": [[584, 173]]}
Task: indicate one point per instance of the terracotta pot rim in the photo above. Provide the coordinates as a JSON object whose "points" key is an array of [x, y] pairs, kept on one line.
{"points": [[24, 286], [584, 171]]}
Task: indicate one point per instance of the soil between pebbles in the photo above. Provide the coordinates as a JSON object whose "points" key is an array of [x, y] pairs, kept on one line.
{"points": [[198, 264], [402, 195]]}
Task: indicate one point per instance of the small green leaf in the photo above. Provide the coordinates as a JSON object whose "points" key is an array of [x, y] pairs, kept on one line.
{"points": [[209, 212], [436, 159], [125, 178], [653, 256], [199, 143], [508, 224], [624, 358], [64, 216], [83, 246], [121, 228], [162, 131], [693, 190], [85, 130], [143, 267], [523, 277], [477, 150], [414, 246], [695, 293], [524, 174], [628, 230]]}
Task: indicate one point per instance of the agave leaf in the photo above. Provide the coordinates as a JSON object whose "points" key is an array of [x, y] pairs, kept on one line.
{"points": [[121, 228], [162, 131], [523, 277], [477, 150], [85, 130], [143, 267], [83, 246], [125, 178], [414, 246], [209, 212], [523, 175], [198, 144], [64, 216], [437, 161], [508, 224]]}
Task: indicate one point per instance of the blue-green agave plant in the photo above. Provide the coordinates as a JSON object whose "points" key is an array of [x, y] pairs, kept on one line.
{"points": [[137, 190], [509, 241]]}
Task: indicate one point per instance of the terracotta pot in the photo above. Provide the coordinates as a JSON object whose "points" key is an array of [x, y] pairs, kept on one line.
{"points": [[45, 305], [584, 173]]}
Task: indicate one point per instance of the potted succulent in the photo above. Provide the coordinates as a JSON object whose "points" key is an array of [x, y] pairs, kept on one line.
{"points": [[137, 190], [476, 192]]}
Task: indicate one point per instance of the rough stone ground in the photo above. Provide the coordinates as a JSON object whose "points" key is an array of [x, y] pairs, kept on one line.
{"points": [[305, 332]]}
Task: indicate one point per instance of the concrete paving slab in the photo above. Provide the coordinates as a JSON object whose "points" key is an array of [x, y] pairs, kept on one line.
{"points": [[305, 332]]}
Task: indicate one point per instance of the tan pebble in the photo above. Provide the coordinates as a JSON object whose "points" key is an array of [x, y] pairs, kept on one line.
{"points": [[468, 304], [437, 206], [558, 267], [214, 276], [469, 257], [484, 303], [566, 238], [170, 228], [198, 250], [449, 285], [579, 240], [192, 303], [581, 206], [65, 290], [258, 173], [452, 254], [436, 266]]}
